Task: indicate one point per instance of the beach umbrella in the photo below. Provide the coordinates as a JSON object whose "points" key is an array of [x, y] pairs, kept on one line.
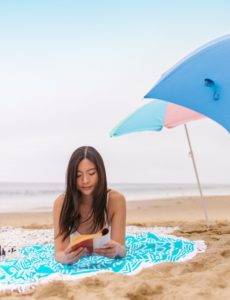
{"points": [[201, 82], [156, 115]]}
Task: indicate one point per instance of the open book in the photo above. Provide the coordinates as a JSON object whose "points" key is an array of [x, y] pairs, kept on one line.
{"points": [[90, 241]]}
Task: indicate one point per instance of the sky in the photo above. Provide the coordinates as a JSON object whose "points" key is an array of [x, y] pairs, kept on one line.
{"points": [[71, 70]]}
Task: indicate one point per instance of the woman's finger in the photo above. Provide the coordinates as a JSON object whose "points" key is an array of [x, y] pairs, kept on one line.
{"points": [[68, 250], [109, 247], [73, 257], [106, 252], [76, 254]]}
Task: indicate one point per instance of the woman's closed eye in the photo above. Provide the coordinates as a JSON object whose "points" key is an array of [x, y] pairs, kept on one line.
{"points": [[92, 173]]}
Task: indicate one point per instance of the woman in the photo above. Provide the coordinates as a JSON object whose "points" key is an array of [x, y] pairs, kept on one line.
{"points": [[87, 207]]}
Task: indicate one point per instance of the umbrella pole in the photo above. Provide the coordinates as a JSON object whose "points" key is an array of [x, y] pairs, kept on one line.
{"points": [[197, 177]]}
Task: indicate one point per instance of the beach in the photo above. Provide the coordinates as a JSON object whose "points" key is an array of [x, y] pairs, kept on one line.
{"points": [[206, 276], [130, 96]]}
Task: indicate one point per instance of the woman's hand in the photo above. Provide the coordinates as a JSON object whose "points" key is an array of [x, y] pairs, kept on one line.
{"points": [[69, 257], [111, 249]]}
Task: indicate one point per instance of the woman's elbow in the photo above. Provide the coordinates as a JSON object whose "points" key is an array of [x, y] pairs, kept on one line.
{"points": [[59, 257], [122, 251]]}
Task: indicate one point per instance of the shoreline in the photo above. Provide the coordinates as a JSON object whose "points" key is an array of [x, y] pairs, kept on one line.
{"points": [[149, 212], [42, 204]]}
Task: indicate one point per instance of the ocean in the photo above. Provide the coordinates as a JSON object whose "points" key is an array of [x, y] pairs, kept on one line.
{"points": [[32, 197]]}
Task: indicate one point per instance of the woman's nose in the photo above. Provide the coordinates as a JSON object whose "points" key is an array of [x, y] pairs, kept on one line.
{"points": [[85, 178]]}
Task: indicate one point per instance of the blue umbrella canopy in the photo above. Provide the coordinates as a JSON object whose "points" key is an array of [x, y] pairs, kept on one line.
{"points": [[201, 82]]}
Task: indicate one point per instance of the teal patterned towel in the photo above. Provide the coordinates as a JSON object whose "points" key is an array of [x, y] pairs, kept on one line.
{"points": [[37, 263]]}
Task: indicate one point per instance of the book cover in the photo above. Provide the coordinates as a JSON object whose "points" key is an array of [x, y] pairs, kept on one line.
{"points": [[90, 241]]}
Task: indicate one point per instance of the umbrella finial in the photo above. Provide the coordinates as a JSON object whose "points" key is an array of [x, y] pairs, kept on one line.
{"points": [[210, 83]]}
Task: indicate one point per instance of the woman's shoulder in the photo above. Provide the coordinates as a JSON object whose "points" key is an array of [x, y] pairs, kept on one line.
{"points": [[115, 198], [115, 204], [59, 201]]}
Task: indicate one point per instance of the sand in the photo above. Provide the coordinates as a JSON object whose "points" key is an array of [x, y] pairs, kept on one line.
{"points": [[206, 276]]}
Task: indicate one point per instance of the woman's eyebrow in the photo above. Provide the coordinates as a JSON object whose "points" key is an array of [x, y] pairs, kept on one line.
{"points": [[86, 170]]}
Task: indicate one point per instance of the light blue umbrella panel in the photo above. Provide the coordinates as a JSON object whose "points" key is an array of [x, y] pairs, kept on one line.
{"points": [[149, 117]]}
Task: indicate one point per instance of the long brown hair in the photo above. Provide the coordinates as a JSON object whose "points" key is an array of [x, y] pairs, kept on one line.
{"points": [[70, 212]]}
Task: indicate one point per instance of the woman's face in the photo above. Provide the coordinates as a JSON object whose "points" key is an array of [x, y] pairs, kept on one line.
{"points": [[87, 177]]}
